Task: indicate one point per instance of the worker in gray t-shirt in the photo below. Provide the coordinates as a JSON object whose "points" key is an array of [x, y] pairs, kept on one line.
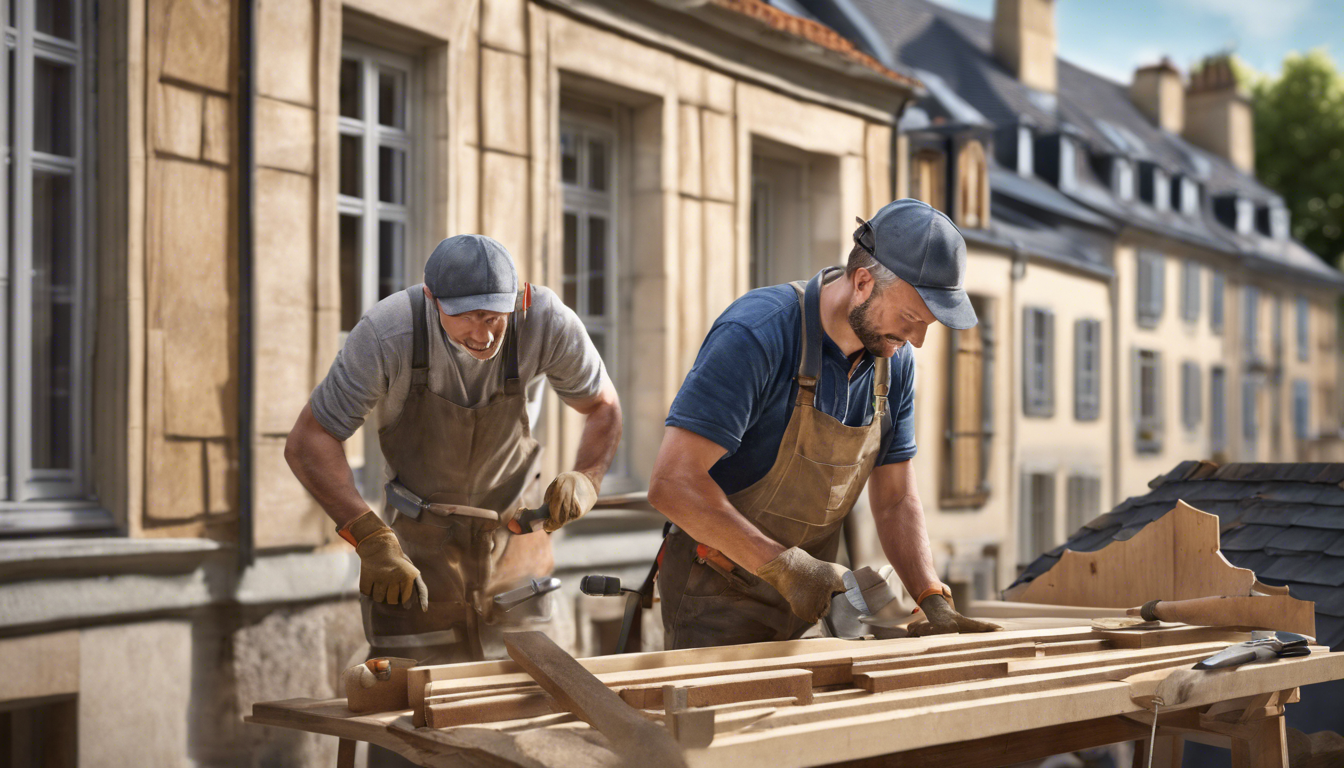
{"points": [[452, 370]]}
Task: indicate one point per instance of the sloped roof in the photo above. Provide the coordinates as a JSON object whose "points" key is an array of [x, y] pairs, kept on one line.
{"points": [[1283, 521], [957, 47]]}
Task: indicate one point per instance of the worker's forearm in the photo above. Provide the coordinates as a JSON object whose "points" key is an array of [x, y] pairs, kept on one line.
{"points": [[905, 541], [318, 461], [597, 445], [697, 505]]}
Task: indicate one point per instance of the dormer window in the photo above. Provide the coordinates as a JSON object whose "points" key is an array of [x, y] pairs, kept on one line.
{"points": [[928, 174], [1185, 195], [1278, 221], [1122, 178], [1059, 158], [1026, 159], [972, 186], [1262, 219], [1153, 186], [1068, 163], [1245, 221]]}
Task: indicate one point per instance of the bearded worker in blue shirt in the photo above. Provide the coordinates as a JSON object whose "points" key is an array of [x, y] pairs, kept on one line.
{"points": [[800, 395]]}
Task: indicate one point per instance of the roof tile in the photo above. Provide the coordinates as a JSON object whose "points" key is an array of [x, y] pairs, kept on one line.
{"points": [[1294, 540], [1331, 518], [1249, 537]]}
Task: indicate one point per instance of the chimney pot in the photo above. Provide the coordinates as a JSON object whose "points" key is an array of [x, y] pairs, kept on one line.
{"points": [[1157, 91], [1218, 115]]}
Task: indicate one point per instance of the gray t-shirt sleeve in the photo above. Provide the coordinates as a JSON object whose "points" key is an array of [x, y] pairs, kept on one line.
{"points": [[357, 380], [568, 358]]}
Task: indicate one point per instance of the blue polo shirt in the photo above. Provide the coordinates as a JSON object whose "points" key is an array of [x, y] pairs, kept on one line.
{"points": [[741, 391]]}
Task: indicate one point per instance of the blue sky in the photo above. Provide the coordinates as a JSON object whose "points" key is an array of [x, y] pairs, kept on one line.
{"points": [[1111, 37]]}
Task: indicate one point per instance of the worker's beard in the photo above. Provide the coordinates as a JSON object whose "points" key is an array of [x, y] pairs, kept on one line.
{"points": [[872, 341]]}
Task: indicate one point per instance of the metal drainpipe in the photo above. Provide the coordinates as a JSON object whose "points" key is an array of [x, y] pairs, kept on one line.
{"points": [[246, 79], [1016, 381]]}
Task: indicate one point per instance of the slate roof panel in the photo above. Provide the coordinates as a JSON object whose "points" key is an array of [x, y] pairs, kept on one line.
{"points": [[1295, 540], [1249, 537], [1336, 549], [1328, 600]]}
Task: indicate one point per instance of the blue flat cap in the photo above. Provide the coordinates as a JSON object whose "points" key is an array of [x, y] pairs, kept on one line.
{"points": [[925, 249], [470, 272]]}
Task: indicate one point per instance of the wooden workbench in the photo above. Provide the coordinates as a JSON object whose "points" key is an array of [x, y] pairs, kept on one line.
{"points": [[966, 700]]}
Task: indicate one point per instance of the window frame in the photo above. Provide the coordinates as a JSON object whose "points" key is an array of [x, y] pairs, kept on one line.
{"points": [[1087, 381], [47, 499], [1217, 301], [1038, 388], [1035, 535], [1192, 406], [954, 495], [1148, 427], [1250, 414], [1082, 499], [1150, 283], [1301, 409], [1303, 327], [1250, 323], [1191, 272], [1217, 409]]}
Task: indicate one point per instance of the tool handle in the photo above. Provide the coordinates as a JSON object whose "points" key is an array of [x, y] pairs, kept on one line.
{"points": [[1224, 611], [524, 521]]}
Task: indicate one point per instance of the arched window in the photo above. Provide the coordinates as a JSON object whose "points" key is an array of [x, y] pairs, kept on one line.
{"points": [[927, 175], [972, 186]]}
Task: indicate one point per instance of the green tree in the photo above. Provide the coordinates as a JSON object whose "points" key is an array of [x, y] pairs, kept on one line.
{"points": [[1299, 147]]}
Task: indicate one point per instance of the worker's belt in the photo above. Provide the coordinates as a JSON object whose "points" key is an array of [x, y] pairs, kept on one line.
{"points": [[714, 559], [405, 502]]}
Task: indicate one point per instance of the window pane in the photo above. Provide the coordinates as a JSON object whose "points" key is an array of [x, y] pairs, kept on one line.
{"points": [[597, 266], [392, 175], [392, 98], [391, 246], [351, 308], [54, 17], [52, 321], [351, 90], [53, 108], [597, 165], [569, 158], [352, 166], [571, 267]]}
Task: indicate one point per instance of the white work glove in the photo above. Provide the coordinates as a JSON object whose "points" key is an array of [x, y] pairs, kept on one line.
{"points": [[569, 497]]}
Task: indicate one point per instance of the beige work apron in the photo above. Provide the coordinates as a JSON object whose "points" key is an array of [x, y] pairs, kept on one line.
{"points": [[446, 453], [819, 471]]}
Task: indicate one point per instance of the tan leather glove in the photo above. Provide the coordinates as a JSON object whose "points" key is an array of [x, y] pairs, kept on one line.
{"points": [[941, 618], [385, 573], [569, 497], [806, 582]]}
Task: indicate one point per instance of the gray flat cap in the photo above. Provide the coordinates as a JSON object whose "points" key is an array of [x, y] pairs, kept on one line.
{"points": [[925, 249], [470, 272]]}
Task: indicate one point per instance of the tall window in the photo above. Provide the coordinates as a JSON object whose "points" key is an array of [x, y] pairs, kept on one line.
{"points": [[1084, 500], [1038, 362], [1148, 401], [44, 296], [971, 413], [1190, 275], [1087, 370], [1250, 415], [1217, 410], [1301, 409], [1036, 516], [1250, 323], [1303, 326], [972, 186], [1151, 285], [928, 178], [1217, 286], [374, 202], [1192, 400]]}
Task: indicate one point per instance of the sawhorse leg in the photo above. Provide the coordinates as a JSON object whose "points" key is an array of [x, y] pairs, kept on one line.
{"points": [[1167, 751], [1265, 745], [345, 754]]}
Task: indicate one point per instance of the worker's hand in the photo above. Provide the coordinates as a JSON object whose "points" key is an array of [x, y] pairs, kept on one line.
{"points": [[806, 582], [385, 573], [569, 497], [941, 618]]}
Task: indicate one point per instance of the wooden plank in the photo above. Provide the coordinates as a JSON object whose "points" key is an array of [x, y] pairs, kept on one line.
{"points": [[1175, 557], [1010, 748], [486, 709], [725, 689], [638, 741], [1073, 646], [345, 753], [1177, 635], [1192, 687], [1267, 746], [936, 674], [1089, 660], [1002, 652]]}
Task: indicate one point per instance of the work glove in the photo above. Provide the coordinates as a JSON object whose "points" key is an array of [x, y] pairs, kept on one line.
{"points": [[941, 618], [385, 573], [569, 497], [806, 582]]}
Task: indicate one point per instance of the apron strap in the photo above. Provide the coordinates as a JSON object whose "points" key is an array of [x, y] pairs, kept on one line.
{"points": [[419, 336], [809, 363], [512, 384]]}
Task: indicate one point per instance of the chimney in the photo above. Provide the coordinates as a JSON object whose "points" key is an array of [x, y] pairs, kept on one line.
{"points": [[1217, 114], [1024, 41], [1158, 92]]}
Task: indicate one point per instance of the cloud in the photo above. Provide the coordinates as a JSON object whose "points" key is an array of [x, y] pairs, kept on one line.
{"points": [[1257, 19]]}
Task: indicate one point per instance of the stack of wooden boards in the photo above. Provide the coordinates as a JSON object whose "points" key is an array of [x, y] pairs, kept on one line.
{"points": [[816, 702]]}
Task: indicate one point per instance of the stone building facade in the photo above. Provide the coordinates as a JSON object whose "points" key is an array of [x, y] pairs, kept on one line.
{"points": [[243, 181]]}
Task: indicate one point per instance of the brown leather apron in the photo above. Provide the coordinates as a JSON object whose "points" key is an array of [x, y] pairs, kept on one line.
{"points": [[446, 453], [819, 471]]}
